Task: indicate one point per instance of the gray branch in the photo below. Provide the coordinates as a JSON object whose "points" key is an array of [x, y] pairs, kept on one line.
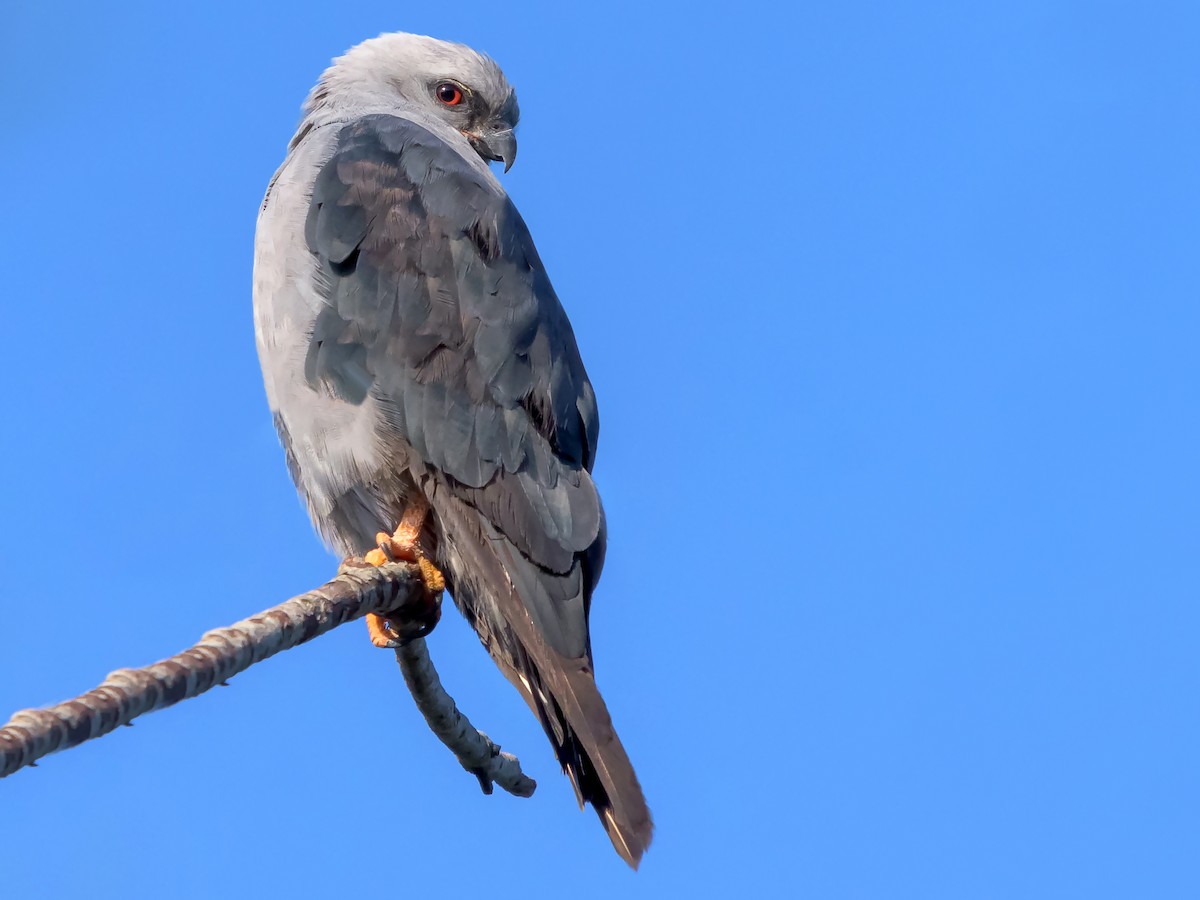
{"points": [[474, 749], [221, 654]]}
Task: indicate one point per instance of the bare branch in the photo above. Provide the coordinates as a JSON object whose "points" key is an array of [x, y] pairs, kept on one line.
{"points": [[474, 749], [223, 653]]}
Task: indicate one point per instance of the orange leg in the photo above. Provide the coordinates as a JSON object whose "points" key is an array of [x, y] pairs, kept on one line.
{"points": [[405, 544]]}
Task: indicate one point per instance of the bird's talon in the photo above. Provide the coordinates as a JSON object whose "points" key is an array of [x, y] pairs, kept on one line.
{"points": [[388, 633], [380, 631], [386, 547]]}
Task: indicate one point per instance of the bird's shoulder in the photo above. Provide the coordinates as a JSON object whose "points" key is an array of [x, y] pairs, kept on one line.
{"points": [[393, 153]]}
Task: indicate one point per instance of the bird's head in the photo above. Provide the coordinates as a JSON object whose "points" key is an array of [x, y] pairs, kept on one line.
{"points": [[430, 81]]}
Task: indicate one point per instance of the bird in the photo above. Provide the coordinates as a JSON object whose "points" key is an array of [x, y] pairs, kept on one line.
{"points": [[427, 386]]}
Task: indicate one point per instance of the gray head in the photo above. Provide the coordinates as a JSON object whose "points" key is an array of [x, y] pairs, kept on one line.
{"points": [[439, 84]]}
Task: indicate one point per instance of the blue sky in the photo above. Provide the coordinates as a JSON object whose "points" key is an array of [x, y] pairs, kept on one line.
{"points": [[891, 311]]}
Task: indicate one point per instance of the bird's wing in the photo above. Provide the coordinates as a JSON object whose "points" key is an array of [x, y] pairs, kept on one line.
{"points": [[438, 306], [439, 309]]}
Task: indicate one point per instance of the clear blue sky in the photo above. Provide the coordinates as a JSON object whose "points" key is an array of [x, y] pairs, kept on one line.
{"points": [[892, 314]]}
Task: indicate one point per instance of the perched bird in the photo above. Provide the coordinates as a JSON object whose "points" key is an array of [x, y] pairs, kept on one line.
{"points": [[426, 384]]}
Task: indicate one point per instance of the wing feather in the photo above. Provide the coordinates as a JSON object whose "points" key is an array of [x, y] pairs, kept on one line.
{"points": [[438, 306]]}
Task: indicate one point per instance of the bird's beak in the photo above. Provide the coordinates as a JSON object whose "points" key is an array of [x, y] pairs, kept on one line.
{"points": [[495, 142]]}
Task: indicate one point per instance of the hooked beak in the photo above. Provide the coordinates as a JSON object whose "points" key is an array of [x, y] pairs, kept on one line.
{"points": [[495, 142]]}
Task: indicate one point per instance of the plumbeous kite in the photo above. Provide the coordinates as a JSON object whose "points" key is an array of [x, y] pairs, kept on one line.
{"points": [[425, 381]]}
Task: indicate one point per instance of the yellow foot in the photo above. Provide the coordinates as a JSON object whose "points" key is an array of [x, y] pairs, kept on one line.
{"points": [[390, 631]]}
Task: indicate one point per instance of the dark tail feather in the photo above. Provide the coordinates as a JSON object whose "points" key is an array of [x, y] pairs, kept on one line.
{"points": [[576, 720], [560, 691]]}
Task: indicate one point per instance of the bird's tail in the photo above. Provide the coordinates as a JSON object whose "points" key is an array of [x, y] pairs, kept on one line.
{"points": [[560, 690], [576, 719]]}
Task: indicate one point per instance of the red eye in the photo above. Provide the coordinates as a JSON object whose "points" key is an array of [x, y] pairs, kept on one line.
{"points": [[449, 93]]}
